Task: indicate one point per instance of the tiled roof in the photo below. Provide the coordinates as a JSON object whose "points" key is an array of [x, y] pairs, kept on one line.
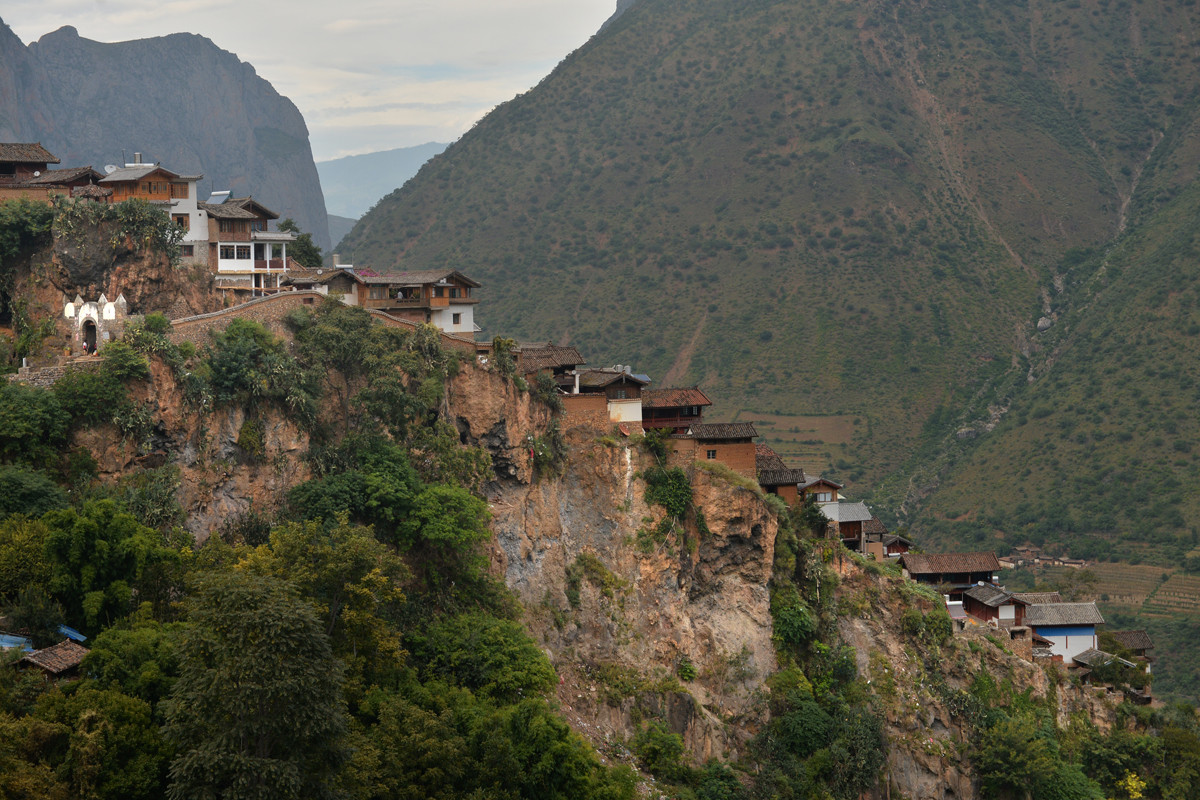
{"points": [[943, 563], [1063, 614], [535, 358], [846, 512], [122, 174], [1038, 598], [599, 378], [875, 527], [1133, 640], [766, 458], [26, 153], [989, 594], [715, 431], [58, 659], [226, 211], [253, 206], [818, 479], [780, 477], [674, 398], [1098, 658], [414, 278], [67, 175], [91, 190]]}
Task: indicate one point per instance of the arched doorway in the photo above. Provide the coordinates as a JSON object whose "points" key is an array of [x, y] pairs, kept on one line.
{"points": [[89, 336]]}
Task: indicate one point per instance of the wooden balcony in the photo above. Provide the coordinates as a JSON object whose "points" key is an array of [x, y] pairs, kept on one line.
{"points": [[394, 302], [269, 264]]}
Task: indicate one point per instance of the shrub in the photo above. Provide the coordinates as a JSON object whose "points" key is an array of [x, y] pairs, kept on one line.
{"points": [[24, 491]]}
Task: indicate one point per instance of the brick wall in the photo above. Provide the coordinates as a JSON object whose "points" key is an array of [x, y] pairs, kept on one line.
{"points": [[45, 377], [737, 456], [588, 410]]}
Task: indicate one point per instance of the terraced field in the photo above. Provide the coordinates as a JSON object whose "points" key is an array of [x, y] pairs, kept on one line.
{"points": [[1179, 595], [1126, 584]]}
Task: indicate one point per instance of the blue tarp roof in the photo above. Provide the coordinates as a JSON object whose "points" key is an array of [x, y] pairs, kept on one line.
{"points": [[9, 641], [71, 634]]}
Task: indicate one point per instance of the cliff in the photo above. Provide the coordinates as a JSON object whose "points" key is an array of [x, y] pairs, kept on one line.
{"points": [[677, 626], [177, 99]]}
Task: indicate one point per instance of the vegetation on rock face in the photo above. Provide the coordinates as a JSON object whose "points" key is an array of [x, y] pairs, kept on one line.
{"points": [[359, 649]]}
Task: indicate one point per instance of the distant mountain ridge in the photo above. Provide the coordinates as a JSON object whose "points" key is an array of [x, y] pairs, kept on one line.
{"points": [[853, 209], [177, 99], [353, 184]]}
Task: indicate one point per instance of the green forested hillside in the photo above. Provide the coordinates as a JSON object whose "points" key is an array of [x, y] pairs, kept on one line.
{"points": [[856, 208]]}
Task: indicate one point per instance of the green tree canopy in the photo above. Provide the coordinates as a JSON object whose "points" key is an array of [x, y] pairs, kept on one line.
{"points": [[257, 712]]}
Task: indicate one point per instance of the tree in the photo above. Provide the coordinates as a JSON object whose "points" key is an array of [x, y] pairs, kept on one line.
{"points": [[24, 491], [353, 582], [304, 250], [257, 712]]}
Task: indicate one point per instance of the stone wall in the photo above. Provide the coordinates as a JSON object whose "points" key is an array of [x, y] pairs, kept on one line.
{"points": [[270, 312], [45, 377]]}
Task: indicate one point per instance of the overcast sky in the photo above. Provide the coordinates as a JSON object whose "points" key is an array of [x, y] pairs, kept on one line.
{"points": [[367, 74]]}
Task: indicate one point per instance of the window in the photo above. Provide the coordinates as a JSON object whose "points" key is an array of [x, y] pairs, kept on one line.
{"points": [[456, 319], [824, 497], [179, 190], [710, 454], [377, 293], [619, 394], [455, 291], [187, 250], [243, 252], [225, 226], [437, 291], [258, 225], [8, 168], [227, 251], [182, 221]]}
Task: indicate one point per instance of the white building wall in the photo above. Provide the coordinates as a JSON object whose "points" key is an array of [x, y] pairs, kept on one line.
{"points": [[444, 319], [625, 410], [1069, 646]]}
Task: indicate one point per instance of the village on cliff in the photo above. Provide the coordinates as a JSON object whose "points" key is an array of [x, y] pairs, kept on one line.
{"points": [[238, 240]]}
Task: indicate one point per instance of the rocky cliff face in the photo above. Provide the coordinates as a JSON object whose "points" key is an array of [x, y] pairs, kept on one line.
{"points": [[178, 99]]}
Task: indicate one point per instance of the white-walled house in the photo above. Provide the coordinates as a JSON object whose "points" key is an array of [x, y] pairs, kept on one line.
{"points": [[177, 194], [1070, 627]]}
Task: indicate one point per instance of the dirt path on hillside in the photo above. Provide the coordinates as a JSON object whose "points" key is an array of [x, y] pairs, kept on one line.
{"points": [[683, 361]]}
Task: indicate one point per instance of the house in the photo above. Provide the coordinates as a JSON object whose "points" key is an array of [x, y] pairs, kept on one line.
{"points": [[677, 409], [986, 602], [1038, 598], [561, 361], [1092, 659], [242, 249], [620, 387], [23, 161], [846, 521], [820, 489], [58, 660], [956, 570], [1070, 627], [68, 179], [775, 476], [882, 543], [1136, 642], [87, 326], [441, 297], [176, 194], [729, 443]]}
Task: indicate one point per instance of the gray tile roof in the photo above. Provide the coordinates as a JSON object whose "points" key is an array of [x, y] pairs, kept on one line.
{"points": [[1133, 640], [1098, 658], [412, 278], [26, 153], [717, 431], [944, 563], [1064, 614], [989, 594], [1038, 598], [122, 174], [53, 176]]}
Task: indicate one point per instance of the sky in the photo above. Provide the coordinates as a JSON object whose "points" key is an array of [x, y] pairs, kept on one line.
{"points": [[367, 75]]}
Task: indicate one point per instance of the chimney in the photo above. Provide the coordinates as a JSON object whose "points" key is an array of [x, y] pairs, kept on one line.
{"points": [[576, 383], [137, 158], [337, 260]]}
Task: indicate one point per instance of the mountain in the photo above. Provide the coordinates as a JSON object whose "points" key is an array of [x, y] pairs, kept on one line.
{"points": [[843, 220], [355, 183], [339, 227], [177, 99]]}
